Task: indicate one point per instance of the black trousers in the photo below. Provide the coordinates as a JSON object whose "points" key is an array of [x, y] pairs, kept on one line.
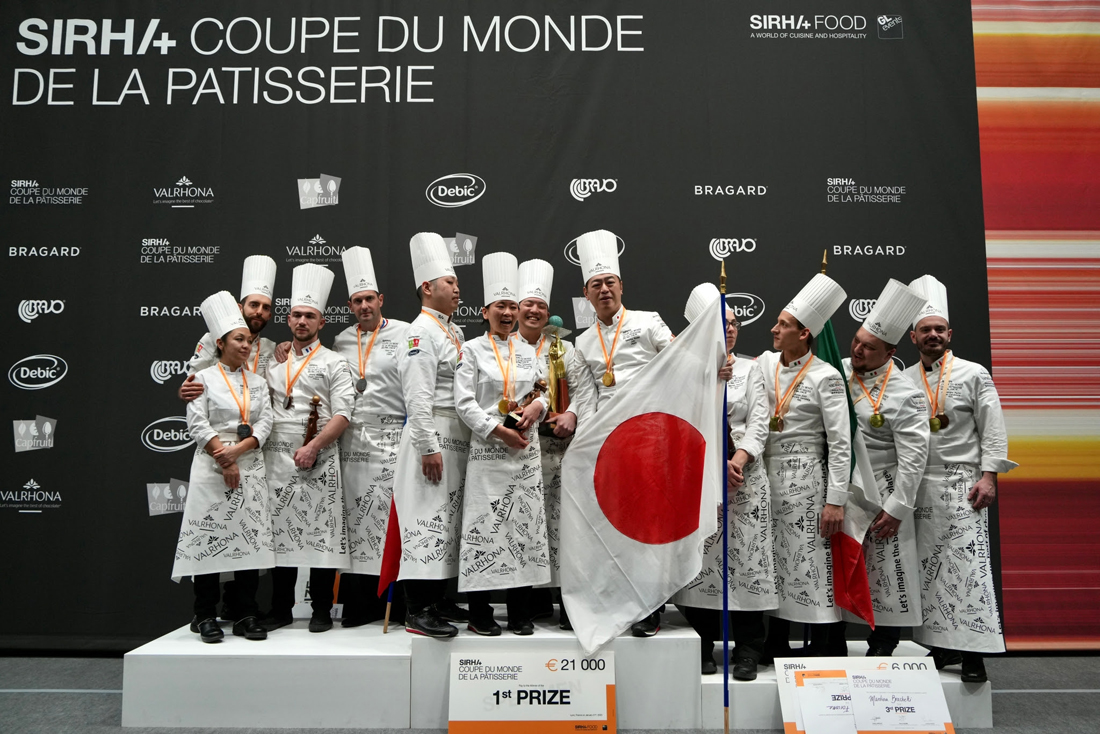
{"points": [[886, 637], [518, 600], [746, 630], [422, 593], [283, 579], [359, 595], [826, 639], [240, 596]]}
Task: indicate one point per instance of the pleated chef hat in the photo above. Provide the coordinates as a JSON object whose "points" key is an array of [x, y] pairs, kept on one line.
{"points": [[258, 276], [500, 274], [222, 314], [310, 286], [430, 259], [702, 297], [359, 270], [536, 279], [936, 293], [893, 312], [598, 252], [816, 302]]}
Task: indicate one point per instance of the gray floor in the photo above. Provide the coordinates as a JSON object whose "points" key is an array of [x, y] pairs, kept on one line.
{"points": [[1024, 700]]}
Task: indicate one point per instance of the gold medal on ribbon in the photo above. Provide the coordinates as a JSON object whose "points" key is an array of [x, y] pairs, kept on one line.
{"points": [[503, 406], [937, 399], [506, 370], [608, 379], [877, 421], [773, 423], [782, 403], [934, 424]]}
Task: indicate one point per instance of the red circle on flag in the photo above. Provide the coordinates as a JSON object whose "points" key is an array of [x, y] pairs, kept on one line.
{"points": [[649, 478]]}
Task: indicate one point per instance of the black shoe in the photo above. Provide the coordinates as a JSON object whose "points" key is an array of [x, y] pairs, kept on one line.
{"points": [[210, 631], [744, 668], [250, 629], [485, 626], [973, 668], [563, 620], [355, 621], [522, 628], [194, 625], [709, 666], [229, 614], [320, 622], [647, 627], [880, 651], [429, 625], [448, 611], [274, 620], [942, 658], [542, 604]]}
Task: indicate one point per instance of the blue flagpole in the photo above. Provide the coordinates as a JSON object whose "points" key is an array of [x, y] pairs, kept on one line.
{"points": [[725, 531]]}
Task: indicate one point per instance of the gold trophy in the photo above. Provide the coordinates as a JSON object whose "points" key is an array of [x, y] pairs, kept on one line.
{"points": [[558, 382]]}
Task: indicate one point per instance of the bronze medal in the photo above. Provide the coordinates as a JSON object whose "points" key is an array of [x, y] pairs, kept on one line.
{"points": [[934, 424], [244, 431], [608, 379], [877, 421], [942, 418], [775, 424], [503, 406], [361, 384]]}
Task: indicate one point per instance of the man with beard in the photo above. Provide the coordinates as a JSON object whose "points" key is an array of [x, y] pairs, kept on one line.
{"points": [[257, 287], [969, 447], [312, 393], [892, 417], [368, 449]]}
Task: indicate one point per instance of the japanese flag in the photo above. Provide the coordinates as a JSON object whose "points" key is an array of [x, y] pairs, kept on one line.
{"points": [[640, 484]]}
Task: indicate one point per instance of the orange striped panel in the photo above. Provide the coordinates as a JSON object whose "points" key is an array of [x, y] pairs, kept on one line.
{"points": [[1037, 60]]}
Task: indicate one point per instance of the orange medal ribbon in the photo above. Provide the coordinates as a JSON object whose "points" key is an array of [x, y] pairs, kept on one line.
{"points": [[505, 403], [608, 358], [454, 340], [370, 345], [776, 422], [876, 420], [290, 382], [244, 405]]}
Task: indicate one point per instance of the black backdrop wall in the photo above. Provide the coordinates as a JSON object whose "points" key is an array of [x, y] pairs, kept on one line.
{"points": [[146, 158]]}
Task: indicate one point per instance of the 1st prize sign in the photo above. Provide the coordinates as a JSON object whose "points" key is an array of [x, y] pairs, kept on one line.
{"points": [[536, 693]]}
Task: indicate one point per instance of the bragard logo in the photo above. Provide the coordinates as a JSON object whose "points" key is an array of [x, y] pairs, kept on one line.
{"points": [[571, 250], [582, 188], [860, 308], [723, 247], [163, 370], [730, 190], [30, 310], [37, 371], [31, 435], [747, 307], [167, 435], [455, 190], [315, 192], [184, 195], [160, 311]]}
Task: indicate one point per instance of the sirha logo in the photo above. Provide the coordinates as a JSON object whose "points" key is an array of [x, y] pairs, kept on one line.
{"points": [[167, 435], [37, 371], [455, 190]]}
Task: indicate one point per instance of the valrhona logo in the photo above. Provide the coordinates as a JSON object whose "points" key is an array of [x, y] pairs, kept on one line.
{"points": [[37, 371], [30, 310], [32, 498], [183, 195], [31, 435], [315, 192], [163, 370], [167, 435], [582, 188], [455, 190], [317, 250]]}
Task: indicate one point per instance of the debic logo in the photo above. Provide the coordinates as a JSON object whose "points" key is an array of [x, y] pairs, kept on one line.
{"points": [[167, 435], [746, 306], [37, 371], [455, 190]]}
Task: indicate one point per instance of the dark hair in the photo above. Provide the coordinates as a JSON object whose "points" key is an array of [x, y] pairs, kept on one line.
{"points": [[810, 338]]}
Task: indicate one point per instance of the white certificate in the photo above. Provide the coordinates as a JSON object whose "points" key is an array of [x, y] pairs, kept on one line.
{"points": [[898, 700], [825, 701]]}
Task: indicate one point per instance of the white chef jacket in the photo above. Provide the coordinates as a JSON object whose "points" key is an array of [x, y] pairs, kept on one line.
{"points": [[582, 392], [215, 411], [902, 441], [206, 354], [644, 335], [383, 394], [817, 416], [326, 375], [975, 433], [479, 382], [427, 367], [747, 407]]}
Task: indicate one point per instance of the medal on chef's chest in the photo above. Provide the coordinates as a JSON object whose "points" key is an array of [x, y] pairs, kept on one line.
{"points": [[937, 400], [877, 420], [507, 370], [361, 383], [244, 404], [291, 380], [775, 424], [608, 378]]}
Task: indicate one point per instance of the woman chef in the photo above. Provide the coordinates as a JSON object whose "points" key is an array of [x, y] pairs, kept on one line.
{"points": [[503, 543], [751, 576], [226, 520]]}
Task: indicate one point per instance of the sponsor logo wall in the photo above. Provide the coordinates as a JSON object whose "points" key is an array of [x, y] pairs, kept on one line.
{"points": [[516, 133]]}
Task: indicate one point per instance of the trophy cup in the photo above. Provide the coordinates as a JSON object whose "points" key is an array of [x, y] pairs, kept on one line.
{"points": [[558, 382]]}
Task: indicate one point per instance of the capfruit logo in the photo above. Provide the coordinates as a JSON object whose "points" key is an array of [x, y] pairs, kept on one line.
{"points": [[38, 371], [167, 435], [455, 190]]}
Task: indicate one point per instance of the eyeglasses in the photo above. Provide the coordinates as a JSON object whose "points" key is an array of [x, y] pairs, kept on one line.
{"points": [[735, 325]]}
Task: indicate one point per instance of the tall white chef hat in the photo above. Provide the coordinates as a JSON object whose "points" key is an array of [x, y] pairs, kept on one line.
{"points": [[702, 297], [430, 259], [598, 252], [500, 275], [359, 270], [258, 276], [222, 314], [816, 302], [936, 293], [536, 280], [893, 312], [310, 286]]}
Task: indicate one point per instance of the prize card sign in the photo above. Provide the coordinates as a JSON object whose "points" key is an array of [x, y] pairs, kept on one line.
{"points": [[532, 692]]}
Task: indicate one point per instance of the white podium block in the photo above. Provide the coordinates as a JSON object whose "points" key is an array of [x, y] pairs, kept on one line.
{"points": [[755, 704], [344, 678], [657, 681]]}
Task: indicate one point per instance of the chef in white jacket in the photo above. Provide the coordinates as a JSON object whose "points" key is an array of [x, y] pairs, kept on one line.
{"points": [[368, 448], [969, 447], [503, 541], [808, 458], [226, 522], [619, 344], [308, 500], [536, 281], [431, 460], [892, 416], [257, 289]]}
